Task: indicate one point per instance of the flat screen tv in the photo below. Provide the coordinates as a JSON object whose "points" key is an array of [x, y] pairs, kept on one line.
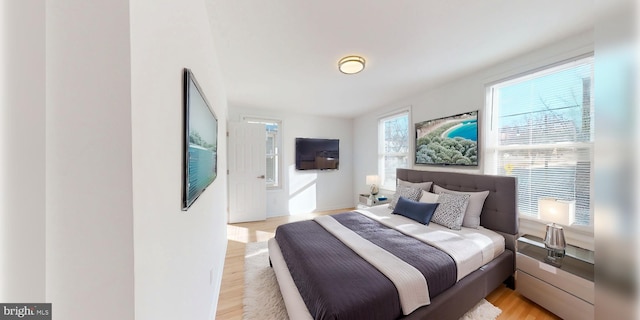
{"points": [[317, 154], [200, 141], [451, 140]]}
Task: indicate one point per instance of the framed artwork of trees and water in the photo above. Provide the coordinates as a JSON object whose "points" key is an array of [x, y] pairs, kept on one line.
{"points": [[451, 140]]}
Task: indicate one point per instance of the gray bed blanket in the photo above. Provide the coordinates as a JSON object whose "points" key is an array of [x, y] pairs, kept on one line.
{"points": [[336, 283]]}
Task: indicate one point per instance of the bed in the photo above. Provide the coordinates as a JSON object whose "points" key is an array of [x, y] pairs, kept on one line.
{"points": [[321, 257]]}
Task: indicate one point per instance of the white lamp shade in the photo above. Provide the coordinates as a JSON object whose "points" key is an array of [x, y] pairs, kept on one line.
{"points": [[557, 211], [373, 179]]}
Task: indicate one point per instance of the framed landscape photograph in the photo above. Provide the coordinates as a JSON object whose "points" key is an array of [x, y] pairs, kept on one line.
{"points": [[451, 140]]}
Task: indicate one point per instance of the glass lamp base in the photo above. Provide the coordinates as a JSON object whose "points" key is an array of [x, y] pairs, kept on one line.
{"points": [[372, 199], [554, 256]]}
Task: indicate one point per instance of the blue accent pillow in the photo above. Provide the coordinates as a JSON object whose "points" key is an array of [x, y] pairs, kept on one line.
{"points": [[418, 211]]}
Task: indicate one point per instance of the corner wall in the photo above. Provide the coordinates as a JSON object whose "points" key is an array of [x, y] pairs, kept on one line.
{"points": [[89, 202], [117, 244], [22, 151], [179, 255]]}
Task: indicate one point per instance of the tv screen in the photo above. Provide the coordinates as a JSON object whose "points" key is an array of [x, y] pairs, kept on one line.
{"points": [[317, 154], [200, 141], [451, 140]]}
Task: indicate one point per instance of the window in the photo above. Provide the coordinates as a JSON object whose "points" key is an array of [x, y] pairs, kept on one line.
{"points": [[273, 142], [541, 131], [393, 147]]}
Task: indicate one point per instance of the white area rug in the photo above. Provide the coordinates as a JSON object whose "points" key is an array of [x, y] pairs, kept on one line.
{"points": [[262, 299]]}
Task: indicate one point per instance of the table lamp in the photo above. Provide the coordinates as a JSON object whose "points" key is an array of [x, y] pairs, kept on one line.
{"points": [[557, 212], [373, 181]]}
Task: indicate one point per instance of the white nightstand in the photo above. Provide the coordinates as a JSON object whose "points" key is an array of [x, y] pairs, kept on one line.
{"points": [[363, 201], [568, 290]]}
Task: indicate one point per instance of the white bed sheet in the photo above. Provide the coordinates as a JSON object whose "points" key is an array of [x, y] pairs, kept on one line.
{"points": [[470, 248]]}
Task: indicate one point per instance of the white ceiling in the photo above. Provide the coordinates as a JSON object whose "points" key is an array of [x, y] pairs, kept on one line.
{"points": [[282, 54]]}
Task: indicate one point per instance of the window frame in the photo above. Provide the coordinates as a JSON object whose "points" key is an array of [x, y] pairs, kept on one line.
{"points": [[278, 149], [381, 154], [580, 235]]}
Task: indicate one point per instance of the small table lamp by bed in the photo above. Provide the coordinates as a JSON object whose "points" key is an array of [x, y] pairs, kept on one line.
{"points": [[556, 211], [373, 181]]}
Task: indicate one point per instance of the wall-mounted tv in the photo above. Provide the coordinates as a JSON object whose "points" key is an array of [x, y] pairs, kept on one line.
{"points": [[200, 141], [451, 140], [317, 154]]}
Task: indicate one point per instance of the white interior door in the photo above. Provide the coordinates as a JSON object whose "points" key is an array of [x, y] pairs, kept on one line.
{"points": [[247, 169]]}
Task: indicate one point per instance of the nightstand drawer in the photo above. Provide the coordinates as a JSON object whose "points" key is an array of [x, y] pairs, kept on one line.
{"points": [[553, 299], [577, 286]]}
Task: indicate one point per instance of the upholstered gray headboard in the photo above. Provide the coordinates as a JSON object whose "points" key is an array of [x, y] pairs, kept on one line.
{"points": [[500, 210]]}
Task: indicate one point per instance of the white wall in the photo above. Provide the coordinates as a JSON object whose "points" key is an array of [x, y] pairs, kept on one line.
{"points": [[179, 255], [458, 96], [117, 244], [89, 202], [22, 151], [307, 191]]}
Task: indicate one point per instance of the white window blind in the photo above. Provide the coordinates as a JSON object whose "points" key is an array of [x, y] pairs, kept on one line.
{"points": [[541, 131], [393, 147]]}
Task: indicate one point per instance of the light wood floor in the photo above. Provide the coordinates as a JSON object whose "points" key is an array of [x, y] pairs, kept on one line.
{"points": [[513, 305]]}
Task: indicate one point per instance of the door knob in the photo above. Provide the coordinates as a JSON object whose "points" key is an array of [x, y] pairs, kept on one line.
{"points": [[261, 177]]}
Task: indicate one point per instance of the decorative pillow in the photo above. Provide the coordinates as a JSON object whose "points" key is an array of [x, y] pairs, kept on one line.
{"points": [[410, 193], [418, 211], [426, 186], [451, 210], [428, 197], [474, 209]]}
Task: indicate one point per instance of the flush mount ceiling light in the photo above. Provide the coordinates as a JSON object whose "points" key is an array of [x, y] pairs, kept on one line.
{"points": [[351, 64]]}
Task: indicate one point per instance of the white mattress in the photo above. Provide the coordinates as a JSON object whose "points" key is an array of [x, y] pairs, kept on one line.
{"points": [[470, 249]]}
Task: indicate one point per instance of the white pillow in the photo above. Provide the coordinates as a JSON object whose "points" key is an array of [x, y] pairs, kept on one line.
{"points": [[428, 197], [474, 209], [426, 186]]}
